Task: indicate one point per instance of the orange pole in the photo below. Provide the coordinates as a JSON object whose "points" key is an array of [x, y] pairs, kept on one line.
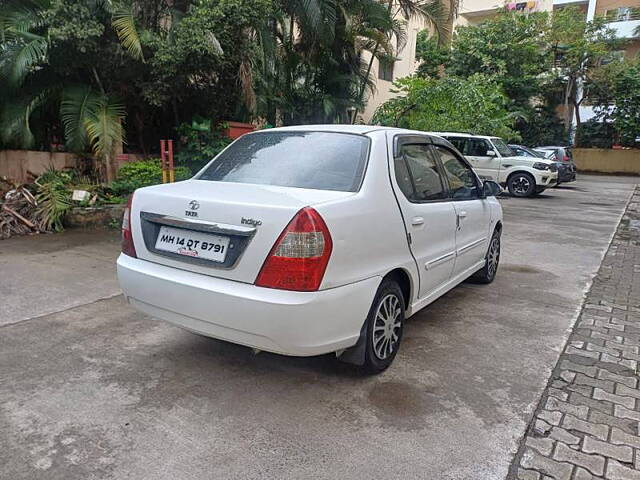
{"points": [[172, 175], [163, 151]]}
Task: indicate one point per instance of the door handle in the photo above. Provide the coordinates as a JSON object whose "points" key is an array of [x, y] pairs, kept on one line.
{"points": [[415, 221], [462, 214]]}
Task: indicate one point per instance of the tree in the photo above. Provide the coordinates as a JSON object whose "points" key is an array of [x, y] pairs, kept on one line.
{"points": [[580, 48], [437, 14], [614, 90], [432, 56], [475, 105], [510, 47], [30, 35], [309, 65]]}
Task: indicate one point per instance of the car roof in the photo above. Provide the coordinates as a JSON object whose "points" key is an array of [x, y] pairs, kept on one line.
{"points": [[461, 134], [342, 128], [346, 128]]}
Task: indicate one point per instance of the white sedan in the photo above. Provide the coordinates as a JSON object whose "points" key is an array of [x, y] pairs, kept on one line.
{"points": [[313, 239]]}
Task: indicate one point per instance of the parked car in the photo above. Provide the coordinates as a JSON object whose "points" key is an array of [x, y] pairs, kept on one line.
{"points": [[566, 170], [522, 151], [564, 157], [297, 240], [492, 159]]}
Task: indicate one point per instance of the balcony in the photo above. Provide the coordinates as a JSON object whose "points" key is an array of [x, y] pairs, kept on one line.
{"points": [[624, 21], [562, 3]]}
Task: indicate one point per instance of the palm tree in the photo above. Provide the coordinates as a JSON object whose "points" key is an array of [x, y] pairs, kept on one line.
{"points": [[91, 117], [310, 64], [434, 13]]}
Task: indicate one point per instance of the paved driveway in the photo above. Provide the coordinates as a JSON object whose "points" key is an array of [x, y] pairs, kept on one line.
{"points": [[91, 389]]}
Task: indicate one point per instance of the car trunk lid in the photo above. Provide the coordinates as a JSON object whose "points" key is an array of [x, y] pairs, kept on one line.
{"points": [[221, 229]]}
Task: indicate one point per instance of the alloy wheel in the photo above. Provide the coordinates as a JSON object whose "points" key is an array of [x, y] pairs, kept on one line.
{"points": [[521, 185], [493, 257], [386, 327]]}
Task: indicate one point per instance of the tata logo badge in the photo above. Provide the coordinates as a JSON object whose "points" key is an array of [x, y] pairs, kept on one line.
{"points": [[193, 206]]}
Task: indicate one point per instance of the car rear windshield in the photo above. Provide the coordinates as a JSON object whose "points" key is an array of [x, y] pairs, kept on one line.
{"points": [[316, 160]]}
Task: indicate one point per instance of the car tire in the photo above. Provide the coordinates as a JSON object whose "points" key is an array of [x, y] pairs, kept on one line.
{"points": [[521, 184], [385, 324], [491, 261]]}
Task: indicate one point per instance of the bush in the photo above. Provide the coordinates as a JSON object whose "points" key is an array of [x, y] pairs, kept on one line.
{"points": [[142, 174], [542, 127], [595, 134], [475, 105], [197, 148]]}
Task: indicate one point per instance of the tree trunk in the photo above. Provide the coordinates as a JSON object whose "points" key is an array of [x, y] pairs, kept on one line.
{"points": [[576, 106], [568, 91], [140, 131], [364, 82]]}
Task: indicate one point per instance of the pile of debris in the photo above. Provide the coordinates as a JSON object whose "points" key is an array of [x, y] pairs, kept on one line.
{"points": [[18, 210]]}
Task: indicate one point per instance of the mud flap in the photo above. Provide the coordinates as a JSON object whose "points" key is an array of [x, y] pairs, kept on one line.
{"points": [[355, 355]]}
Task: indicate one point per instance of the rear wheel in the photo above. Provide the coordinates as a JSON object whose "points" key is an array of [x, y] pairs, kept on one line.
{"points": [[488, 273], [521, 184], [385, 323]]}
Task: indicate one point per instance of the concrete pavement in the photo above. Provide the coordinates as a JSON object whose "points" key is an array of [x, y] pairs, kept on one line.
{"points": [[97, 390]]}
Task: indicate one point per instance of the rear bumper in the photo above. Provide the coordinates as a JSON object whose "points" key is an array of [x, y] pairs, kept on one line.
{"points": [[279, 321], [567, 176]]}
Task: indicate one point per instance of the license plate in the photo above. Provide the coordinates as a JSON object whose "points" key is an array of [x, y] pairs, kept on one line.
{"points": [[192, 244]]}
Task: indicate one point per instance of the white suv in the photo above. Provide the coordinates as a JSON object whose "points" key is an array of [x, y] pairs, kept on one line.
{"points": [[493, 159], [309, 240]]}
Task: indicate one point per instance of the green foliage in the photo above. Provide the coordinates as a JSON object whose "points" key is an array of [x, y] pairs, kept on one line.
{"points": [[42, 47], [309, 59], [542, 127], [125, 26], [142, 174], [91, 119], [615, 92], [197, 147], [430, 54], [580, 48], [475, 105], [511, 48], [287, 61], [595, 134], [538, 60], [54, 199]]}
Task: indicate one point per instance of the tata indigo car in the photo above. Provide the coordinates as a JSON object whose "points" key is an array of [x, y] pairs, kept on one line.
{"points": [[310, 240]]}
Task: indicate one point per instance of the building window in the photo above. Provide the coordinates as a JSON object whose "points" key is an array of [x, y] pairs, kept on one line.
{"points": [[385, 70]]}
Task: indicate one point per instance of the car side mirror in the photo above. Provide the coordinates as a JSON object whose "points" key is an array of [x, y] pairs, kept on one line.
{"points": [[491, 153], [491, 188]]}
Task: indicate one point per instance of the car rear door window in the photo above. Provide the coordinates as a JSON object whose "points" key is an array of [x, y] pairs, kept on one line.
{"points": [[417, 174], [477, 147], [459, 142], [463, 183], [315, 160]]}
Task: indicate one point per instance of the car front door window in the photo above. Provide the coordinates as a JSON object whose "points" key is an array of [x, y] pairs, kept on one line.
{"points": [[421, 170], [463, 183]]}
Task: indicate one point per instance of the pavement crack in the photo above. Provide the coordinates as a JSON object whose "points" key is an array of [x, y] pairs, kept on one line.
{"points": [[36, 317]]}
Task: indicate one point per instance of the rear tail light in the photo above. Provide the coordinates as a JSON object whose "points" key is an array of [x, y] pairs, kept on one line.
{"points": [[300, 255], [128, 248], [565, 158]]}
